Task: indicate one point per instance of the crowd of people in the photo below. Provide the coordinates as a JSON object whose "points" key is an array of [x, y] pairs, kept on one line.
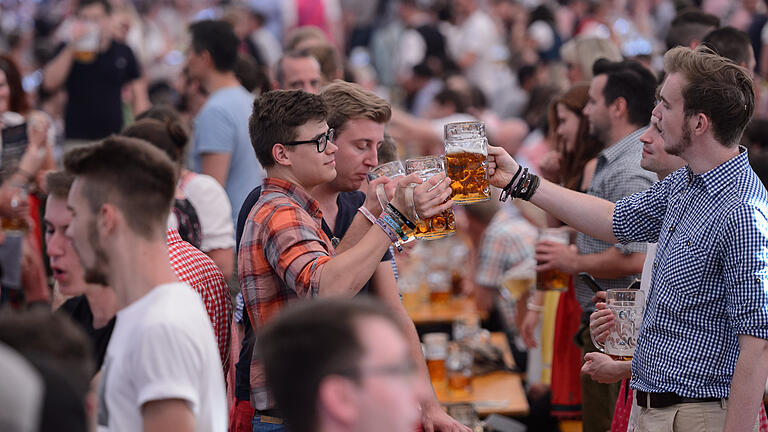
{"points": [[184, 182]]}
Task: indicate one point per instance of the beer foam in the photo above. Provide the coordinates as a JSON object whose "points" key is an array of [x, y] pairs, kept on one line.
{"points": [[454, 150]]}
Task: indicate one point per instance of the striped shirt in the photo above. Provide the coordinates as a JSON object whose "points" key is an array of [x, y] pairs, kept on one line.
{"points": [[508, 242], [281, 253], [709, 280], [618, 174]]}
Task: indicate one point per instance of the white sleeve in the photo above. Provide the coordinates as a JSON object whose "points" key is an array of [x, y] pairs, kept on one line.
{"points": [[214, 211], [764, 34], [167, 364]]}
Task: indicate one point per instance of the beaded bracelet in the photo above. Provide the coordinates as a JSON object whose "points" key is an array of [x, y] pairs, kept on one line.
{"points": [[394, 225]]}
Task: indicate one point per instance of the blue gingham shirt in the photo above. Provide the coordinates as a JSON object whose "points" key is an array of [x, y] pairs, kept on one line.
{"points": [[708, 281]]}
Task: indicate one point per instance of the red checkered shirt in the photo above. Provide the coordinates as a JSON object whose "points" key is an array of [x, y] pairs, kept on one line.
{"points": [[282, 251], [200, 272]]}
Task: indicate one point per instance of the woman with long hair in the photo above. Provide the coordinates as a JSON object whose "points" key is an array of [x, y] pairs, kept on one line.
{"points": [[571, 163]]}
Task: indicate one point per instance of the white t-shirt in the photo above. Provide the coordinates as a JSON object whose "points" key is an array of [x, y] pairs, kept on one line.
{"points": [[162, 347]]}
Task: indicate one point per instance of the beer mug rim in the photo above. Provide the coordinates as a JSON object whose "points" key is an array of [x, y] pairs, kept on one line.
{"points": [[373, 173], [479, 123], [409, 169]]}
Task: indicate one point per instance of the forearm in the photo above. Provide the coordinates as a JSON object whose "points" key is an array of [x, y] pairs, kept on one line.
{"points": [[356, 231], [140, 96], [588, 214], [348, 271], [56, 71], [610, 264], [747, 384], [216, 165]]}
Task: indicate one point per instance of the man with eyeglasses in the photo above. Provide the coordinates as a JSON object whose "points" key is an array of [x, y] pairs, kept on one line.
{"points": [[361, 376], [285, 254]]}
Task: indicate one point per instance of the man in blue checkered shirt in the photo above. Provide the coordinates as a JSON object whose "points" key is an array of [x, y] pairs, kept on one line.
{"points": [[701, 359]]}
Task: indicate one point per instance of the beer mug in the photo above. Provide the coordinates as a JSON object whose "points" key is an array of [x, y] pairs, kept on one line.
{"points": [[443, 224], [553, 280], [87, 47], [466, 154], [627, 306], [435, 351], [391, 170]]}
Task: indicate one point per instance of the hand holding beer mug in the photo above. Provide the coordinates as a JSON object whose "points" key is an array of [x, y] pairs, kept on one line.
{"points": [[466, 153], [627, 307], [438, 221], [501, 167], [390, 170], [552, 279]]}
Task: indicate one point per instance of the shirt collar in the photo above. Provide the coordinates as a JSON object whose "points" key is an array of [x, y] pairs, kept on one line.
{"points": [[172, 236], [622, 146], [716, 179], [305, 201]]}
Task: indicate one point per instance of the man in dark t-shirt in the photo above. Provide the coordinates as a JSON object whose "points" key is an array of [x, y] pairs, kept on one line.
{"points": [[94, 68]]}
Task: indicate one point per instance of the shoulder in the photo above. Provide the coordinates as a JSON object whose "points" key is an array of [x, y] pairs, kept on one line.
{"points": [[351, 200]]}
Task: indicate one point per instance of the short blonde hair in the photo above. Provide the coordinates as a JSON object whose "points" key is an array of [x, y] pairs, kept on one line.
{"points": [[715, 87], [347, 101]]}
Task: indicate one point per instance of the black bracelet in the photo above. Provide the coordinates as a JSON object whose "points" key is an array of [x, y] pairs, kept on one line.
{"points": [[505, 191], [533, 187], [520, 184], [403, 219]]}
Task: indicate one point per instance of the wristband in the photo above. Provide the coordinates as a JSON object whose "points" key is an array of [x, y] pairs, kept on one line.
{"points": [[367, 213], [403, 219], [506, 190]]}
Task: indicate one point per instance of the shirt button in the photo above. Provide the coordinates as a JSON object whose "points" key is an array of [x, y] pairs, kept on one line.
{"points": [[757, 280], [672, 228], [655, 265], [688, 243]]}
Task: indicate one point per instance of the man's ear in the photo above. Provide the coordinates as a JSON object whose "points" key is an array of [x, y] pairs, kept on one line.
{"points": [[281, 155], [700, 124], [619, 107], [107, 219], [336, 399]]}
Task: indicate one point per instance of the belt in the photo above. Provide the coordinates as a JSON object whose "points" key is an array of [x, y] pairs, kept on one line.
{"points": [[271, 416], [663, 400]]}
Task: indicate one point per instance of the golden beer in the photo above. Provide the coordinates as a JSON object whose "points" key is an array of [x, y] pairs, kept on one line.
{"points": [[440, 297], [458, 380], [436, 368], [469, 177], [518, 288], [621, 357], [85, 56], [436, 227], [552, 280]]}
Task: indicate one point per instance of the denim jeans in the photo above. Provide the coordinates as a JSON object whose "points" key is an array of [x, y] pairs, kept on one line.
{"points": [[260, 426]]}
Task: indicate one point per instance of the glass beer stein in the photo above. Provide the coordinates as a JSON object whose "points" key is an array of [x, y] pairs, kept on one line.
{"points": [[553, 280], [466, 154], [443, 224], [627, 306]]}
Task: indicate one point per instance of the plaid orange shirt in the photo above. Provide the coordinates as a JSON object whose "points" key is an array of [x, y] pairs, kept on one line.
{"points": [[281, 253]]}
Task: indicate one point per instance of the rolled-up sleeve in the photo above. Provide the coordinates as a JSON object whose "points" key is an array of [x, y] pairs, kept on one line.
{"points": [[745, 254]]}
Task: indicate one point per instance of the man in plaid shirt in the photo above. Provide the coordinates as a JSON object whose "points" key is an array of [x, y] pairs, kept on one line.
{"points": [[700, 357], [284, 254]]}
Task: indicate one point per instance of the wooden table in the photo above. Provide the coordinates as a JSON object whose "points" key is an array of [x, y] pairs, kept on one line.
{"points": [[499, 392], [443, 313]]}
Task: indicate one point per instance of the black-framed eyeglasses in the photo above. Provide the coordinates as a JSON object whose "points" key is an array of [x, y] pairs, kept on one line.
{"points": [[321, 142]]}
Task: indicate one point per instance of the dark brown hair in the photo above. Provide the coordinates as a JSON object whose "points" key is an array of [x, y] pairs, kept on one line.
{"points": [[276, 116], [325, 331], [585, 147], [58, 183], [133, 175], [715, 87], [170, 137], [19, 102]]}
